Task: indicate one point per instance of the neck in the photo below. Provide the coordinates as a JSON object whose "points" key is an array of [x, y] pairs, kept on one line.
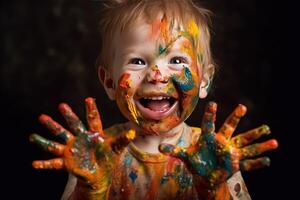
{"points": [[149, 143]]}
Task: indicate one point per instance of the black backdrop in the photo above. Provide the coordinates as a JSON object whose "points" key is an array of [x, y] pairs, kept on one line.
{"points": [[48, 53]]}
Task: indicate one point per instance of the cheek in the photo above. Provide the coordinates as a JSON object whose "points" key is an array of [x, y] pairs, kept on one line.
{"points": [[187, 83], [124, 82], [126, 87], [128, 83]]}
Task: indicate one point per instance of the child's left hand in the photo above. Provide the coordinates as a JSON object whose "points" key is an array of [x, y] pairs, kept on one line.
{"points": [[217, 156]]}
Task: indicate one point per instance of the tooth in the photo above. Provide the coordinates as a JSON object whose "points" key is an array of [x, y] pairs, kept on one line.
{"points": [[159, 98]]}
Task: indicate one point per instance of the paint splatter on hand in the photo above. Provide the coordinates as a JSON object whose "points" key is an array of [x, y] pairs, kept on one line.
{"points": [[217, 156], [87, 153]]}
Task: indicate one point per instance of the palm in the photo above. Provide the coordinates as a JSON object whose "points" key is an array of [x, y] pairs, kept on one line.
{"points": [[88, 155]]}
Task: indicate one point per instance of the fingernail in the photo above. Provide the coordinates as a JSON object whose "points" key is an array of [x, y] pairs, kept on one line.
{"points": [[212, 106], [265, 129], [241, 110], [89, 101]]}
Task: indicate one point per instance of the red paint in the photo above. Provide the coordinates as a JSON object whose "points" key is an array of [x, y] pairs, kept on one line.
{"points": [[123, 81], [171, 163]]}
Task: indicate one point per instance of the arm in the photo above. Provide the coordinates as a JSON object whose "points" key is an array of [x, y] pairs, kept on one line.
{"points": [[86, 153], [70, 187], [215, 157]]}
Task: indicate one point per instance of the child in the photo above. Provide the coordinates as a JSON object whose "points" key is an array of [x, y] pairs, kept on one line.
{"points": [[156, 64]]}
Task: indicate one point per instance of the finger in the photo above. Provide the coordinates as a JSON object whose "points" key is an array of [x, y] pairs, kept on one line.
{"points": [[174, 151], [251, 164], [122, 141], [208, 122], [56, 163], [246, 138], [73, 121], [47, 145], [55, 128], [93, 117], [232, 121], [257, 149]]}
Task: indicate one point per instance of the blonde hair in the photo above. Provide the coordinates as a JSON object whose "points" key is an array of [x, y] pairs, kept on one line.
{"points": [[118, 15]]}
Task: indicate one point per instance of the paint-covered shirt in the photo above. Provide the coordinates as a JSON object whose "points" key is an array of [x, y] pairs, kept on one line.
{"points": [[148, 176]]}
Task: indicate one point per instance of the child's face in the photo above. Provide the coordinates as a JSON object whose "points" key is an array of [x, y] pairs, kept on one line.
{"points": [[156, 74]]}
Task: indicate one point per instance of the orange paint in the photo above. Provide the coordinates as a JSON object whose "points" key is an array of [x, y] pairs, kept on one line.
{"points": [[164, 30], [93, 117], [124, 81]]}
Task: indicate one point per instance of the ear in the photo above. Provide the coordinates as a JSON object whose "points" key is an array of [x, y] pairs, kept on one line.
{"points": [[206, 81], [107, 82]]}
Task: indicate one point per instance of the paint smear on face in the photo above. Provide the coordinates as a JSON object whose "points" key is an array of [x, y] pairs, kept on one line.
{"points": [[187, 84], [184, 81], [164, 31], [124, 81], [125, 85], [169, 37]]}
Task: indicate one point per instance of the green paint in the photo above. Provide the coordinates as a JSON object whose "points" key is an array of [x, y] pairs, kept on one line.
{"points": [[265, 129], [162, 49]]}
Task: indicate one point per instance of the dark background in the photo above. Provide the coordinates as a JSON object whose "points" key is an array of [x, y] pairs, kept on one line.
{"points": [[49, 50]]}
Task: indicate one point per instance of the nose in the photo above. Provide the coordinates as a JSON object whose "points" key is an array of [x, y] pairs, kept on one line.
{"points": [[154, 75]]}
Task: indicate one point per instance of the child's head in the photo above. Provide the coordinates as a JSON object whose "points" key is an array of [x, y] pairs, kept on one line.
{"points": [[155, 60]]}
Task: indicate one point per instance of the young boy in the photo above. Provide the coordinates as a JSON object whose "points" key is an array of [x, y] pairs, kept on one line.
{"points": [[156, 64]]}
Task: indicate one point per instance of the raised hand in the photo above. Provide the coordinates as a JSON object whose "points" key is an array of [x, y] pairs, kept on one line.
{"points": [[217, 156], [86, 153]]}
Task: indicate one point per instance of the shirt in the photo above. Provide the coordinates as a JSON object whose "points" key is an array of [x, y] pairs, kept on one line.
{"points": [[146, 176]]}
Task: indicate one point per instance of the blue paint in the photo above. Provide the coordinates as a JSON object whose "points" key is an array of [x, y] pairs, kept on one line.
{"points": [[185, 181], [133, 176], [164, 179], [185, 83], [127, 160], [63, 136], [181, 142]]}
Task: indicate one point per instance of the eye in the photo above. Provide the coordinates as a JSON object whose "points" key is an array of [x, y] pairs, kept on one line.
{"points": [[137, 61], [178, 60]]}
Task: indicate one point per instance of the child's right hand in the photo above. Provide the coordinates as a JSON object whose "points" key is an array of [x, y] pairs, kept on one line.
{"points": [[88, 154]]}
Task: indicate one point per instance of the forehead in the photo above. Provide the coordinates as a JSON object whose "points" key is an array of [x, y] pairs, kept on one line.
{"points": [[159, 29]]}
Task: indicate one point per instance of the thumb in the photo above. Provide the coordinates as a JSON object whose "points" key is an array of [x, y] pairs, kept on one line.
{"points": [[174, 151]]}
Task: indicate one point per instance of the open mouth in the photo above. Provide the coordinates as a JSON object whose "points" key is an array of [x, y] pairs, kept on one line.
{"points": [[156, 107]]}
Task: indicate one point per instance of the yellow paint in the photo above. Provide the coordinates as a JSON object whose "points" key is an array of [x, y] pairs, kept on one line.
{"points": [[130, 134], [193, 29], [129, 83], [134, 113]]}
